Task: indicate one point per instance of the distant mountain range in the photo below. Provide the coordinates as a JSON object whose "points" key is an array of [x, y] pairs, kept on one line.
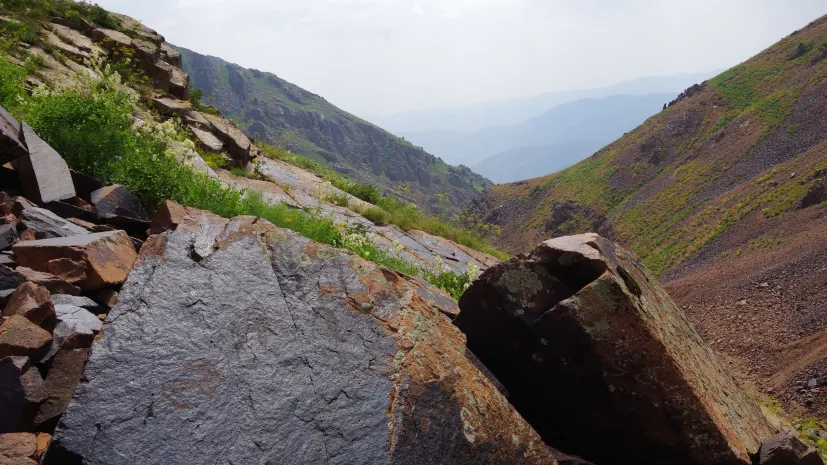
{"points": [[515, 111], [556, 139]]}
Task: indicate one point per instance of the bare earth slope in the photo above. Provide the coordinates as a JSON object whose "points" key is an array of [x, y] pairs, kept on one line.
{"points": [[721, 193]]}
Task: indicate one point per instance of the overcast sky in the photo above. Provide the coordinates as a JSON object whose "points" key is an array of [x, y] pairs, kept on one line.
{"points": [[379, 57]]}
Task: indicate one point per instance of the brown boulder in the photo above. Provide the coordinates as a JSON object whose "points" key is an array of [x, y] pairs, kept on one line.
{"points": [[44, 175], [59, 385], [21, 337], [18, 448], [31, 301], [601, 361], [54, 284], [108, 256], [787, 449]]}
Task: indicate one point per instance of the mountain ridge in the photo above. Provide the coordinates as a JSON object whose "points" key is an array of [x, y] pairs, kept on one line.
{"points": [[285, 115]]}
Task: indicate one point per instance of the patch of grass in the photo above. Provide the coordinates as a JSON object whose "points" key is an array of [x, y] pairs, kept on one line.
{"points": [[215, 160], [726, 119], [812, 431]]}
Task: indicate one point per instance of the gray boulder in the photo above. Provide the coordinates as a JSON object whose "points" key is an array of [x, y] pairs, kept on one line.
{"points": [[43, 173], [116, 201], [269, 348], [48, 225]]}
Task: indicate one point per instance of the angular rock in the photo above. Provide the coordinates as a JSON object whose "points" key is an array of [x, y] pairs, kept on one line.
{"points": [[67, 269], [31, 301], [43, 173], [171, 55], [9, 278], [63, 376], [208, 140], [11, 147], [91, 227], [76, 328], [21, 338], [67, 210], [787, 449], [19, 204], [77, 301], [276, 349], [42, 441], [116, 200], [21, 391], [47, 225], [8, 234], [236, 143], [68, 50], [108, 256], [601, 361], [17, 448], [171, 107], [76, 39], [54, 284]]}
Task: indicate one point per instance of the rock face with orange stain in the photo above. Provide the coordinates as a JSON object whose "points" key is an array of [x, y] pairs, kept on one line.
{"points": [[91, 261], [234, 341], [601, 361]]}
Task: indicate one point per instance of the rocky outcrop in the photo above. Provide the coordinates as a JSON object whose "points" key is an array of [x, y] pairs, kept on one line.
{"points": [[240, 342], [602, 363]]}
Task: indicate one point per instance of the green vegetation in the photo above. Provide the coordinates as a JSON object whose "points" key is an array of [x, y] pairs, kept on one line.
{"points": [[387, 210], [91, 125]]}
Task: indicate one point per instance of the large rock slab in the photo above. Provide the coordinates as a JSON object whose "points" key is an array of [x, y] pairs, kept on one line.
{"points": [[44, 175], [106, 256], [601, 361], [270, 348]]}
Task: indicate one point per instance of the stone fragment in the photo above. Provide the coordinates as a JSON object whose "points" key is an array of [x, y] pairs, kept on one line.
{"points": [[171, 107], [171, 55], [208, 140], [19, 204], [31, 301], [238, 145], [21, 337], [21, 391], [91, 227], [108, 256], [9, 278], [43, 173], [602, 363], [67, 210], [76, 327], [47, 225], [17, 448], [787, 449], [4, 296], [63, 376], [43, 440], [51, 282], [279, 348], [77, 301], [8, 234], [11, 147], [116, 200]]}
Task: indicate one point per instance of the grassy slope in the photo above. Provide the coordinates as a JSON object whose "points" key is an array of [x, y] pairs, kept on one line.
{"points": [[747, 142]]}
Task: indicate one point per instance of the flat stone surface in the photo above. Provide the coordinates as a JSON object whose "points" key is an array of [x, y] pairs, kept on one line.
{"points": [[17, 445], [43, 173], [171, 107], [49, 225], [21, 337], [275, 349], [76, 300], [108, 256], [208, 140], [76, 39], [600, 360]]}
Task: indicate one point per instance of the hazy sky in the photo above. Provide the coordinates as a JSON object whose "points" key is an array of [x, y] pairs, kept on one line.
{"points": [[379, 57]]}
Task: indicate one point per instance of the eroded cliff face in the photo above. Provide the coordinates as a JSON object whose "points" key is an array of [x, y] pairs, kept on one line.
{"points": [[280, 113]]}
